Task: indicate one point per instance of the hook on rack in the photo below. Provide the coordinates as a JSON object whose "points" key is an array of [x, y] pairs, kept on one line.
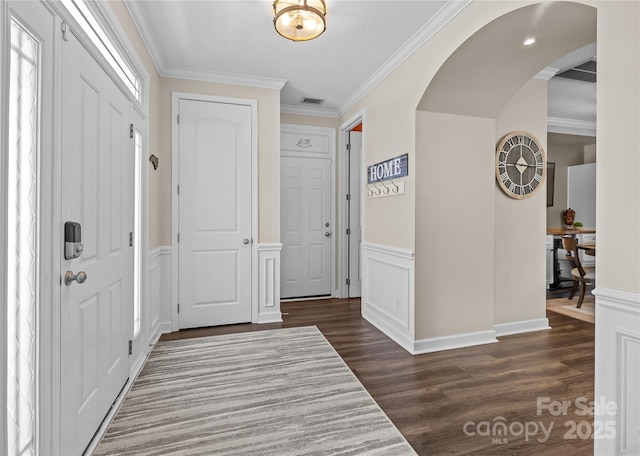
{"points": [[386, 189], [395, 186], [370, 191]]}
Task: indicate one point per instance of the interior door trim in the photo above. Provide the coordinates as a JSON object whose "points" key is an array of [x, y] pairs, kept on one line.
{"points": [[342, 290], [175, 208]]}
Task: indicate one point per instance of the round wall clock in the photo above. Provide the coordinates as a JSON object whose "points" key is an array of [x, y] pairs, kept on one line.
{"points": [[520, 165]]}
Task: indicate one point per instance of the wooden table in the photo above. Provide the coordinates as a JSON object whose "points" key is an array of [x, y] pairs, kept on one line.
{"points": [[589, 249]]}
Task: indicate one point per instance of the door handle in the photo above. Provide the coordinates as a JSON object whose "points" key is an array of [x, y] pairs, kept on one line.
{"points": [[327, 233], [70, 277], [245, 241]]}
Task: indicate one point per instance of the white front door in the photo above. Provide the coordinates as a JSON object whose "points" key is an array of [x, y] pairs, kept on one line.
{"points": [[97, 187], [306, 231], [355, 216], [215, 146]]}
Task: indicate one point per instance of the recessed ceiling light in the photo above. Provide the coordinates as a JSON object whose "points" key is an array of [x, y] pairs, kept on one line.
{"points": [[529, 41]]}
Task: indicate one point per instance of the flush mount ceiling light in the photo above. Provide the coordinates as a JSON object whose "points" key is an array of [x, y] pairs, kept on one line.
{"points": [[529, 41], [300, 20]]}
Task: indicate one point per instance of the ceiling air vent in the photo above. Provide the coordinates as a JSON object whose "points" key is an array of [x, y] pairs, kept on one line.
{"points": [[312, 101], [585, 72]]}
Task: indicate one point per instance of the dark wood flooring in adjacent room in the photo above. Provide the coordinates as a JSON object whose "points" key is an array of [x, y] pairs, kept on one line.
{"points": [[433, 398]]}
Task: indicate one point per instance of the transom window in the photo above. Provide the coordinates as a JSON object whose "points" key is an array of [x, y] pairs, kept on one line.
{"points": [[88, 22]]}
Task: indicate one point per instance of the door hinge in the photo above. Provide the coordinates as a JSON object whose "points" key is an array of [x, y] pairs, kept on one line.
{"points": [[178, 307], [178, 238], [348, 281], [130, 347], [178, 119], [131, 131], [348, 231], [348, 196], [130, 238], [349, 146], [65, 28], [178, 189]]}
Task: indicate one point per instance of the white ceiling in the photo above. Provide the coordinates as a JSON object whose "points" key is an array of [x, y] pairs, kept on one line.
{"points": [[233, 41]]}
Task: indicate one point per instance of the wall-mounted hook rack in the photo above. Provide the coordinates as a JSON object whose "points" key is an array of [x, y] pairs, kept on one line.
{"points": [[394, 189]]}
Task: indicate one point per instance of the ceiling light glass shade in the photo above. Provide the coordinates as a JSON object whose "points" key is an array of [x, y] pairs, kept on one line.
{"points": [[300, 20]]}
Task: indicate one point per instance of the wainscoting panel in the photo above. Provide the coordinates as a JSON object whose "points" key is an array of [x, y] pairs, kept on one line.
{"points": [[159, 293], [388, 291], [617, 370], [269, 283]]}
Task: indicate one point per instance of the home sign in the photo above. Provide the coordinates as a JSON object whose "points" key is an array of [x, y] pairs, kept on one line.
{"points": [[388, 169]]}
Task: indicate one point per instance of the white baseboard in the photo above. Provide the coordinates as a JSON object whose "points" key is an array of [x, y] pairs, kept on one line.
{"points": [[523, 326], [455, 341], [399, 337]]}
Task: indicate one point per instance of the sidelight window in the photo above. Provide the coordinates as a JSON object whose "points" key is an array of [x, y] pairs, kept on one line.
{"points": [[22, 242]]}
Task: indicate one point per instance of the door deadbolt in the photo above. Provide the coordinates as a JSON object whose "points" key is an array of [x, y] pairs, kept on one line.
{"points": [[70, 277], [72, 240]]}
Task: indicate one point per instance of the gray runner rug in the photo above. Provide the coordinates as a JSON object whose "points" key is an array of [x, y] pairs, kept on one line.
{"points": [[276, 392]]}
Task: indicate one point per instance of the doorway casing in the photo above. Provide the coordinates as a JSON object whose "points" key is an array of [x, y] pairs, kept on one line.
{"points": [[342, 290]]}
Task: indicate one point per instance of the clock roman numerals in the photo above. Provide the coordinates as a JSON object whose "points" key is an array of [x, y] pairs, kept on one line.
{"points": [[520, 165]]}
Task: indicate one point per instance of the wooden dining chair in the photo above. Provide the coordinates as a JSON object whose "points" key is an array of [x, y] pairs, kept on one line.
{"points": [[582, 276]]}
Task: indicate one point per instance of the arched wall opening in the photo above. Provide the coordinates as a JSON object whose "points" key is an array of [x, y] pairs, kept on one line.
{"points": [[480, 255]]}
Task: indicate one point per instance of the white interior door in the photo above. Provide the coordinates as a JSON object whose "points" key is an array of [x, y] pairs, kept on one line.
{"points": [[97, 188], [215, 141], [355, 214], [305, 211]]}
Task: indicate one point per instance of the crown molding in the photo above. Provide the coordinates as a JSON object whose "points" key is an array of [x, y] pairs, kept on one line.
{"points": [[223, 78], [142, 25], [547, 73], [309, 111], [571, 126], [140, 22], [450, 10]]}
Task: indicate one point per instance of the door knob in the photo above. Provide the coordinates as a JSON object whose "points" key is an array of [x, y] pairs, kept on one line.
{"points": [[245, 241], [327, 233], [70, 277]]}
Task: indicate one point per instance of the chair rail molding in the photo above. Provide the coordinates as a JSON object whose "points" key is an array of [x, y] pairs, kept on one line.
{"points": [[617, 368]]}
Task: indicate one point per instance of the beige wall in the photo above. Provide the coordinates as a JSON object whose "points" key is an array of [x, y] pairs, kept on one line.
{"points": [[390, 129], [160, 90], [454, 224], [390, 121], [520, 234], [311, 121], [618, 144]]}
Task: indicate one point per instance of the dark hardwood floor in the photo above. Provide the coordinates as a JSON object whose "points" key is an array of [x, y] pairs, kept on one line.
{"points": [[433, 398]]}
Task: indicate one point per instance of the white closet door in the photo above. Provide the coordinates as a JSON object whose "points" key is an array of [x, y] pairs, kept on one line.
{"points": [[215, 213]]}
